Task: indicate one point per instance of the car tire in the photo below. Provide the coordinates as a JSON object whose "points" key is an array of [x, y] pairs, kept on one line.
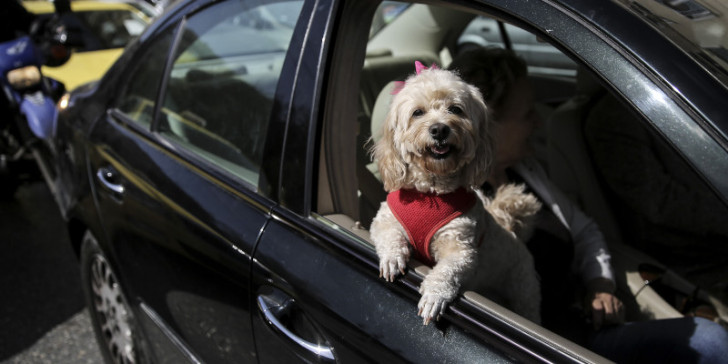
{"points": [[111, 316]]}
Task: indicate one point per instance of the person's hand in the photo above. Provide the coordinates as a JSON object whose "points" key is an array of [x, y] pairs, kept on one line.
{"points": [[606, 309], [604, 306]]}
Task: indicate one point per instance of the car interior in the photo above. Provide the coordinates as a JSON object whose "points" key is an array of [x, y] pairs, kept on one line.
{"points": [[563, 102]]}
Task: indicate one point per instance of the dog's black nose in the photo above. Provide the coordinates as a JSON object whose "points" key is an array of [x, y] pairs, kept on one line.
{"points": [[439, 131]]}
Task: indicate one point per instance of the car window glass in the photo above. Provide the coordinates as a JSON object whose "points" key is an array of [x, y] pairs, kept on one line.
{"points": [[542, 57], [138, 99], [218, 99]]}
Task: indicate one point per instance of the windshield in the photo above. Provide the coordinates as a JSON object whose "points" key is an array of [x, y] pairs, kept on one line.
{"points": [[702, 23]]}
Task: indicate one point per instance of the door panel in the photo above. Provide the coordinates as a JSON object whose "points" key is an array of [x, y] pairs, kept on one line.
{"points": [[177, 173], [338, 301], [185, 241]]}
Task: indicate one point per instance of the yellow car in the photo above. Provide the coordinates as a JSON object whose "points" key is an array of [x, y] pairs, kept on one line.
{"points": [[107, 28]]}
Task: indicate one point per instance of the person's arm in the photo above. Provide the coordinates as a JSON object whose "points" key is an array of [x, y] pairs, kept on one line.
{"points": [[592, 263], [591, 255]]}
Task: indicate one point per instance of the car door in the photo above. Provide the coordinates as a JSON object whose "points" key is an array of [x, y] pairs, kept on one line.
{"points": [[180, 174], [315, 282], [315, 276]]}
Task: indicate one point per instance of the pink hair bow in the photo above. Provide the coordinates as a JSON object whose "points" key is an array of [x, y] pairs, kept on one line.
{"points": [[419, 67]]}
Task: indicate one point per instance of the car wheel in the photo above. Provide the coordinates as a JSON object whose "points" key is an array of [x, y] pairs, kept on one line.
{"points": [[111, 315]]}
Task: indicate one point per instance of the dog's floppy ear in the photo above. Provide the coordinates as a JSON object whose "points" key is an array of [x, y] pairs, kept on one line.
{"points": [[480, 114], [391, 166]]}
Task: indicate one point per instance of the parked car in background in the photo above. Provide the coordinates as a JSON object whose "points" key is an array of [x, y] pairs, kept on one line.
{"points": [[107, 28], [216, 190], [151, 10], [160, 5]]}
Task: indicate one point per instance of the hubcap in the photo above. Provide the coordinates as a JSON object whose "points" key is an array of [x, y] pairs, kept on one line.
{"points": [[112, 312]]}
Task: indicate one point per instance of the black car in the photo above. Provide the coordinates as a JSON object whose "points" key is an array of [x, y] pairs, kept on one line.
{"points": [[216, 187]]}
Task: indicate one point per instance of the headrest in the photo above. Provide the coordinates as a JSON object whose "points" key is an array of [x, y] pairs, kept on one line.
{"points": [[381, 107]]}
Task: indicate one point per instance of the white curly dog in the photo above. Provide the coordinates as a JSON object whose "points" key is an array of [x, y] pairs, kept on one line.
{"points": [[434, 153]]}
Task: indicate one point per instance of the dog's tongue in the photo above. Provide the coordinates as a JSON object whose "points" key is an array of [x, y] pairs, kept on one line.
{"points": [[440, 149]]}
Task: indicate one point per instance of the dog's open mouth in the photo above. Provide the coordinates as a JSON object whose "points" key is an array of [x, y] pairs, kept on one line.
{"points": [[441, 150]]}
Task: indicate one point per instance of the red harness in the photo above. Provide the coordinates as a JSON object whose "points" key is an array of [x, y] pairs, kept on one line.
{"points": [[422, 214]]}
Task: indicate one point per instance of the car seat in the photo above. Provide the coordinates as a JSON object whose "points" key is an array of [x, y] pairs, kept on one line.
{"points": [[380, 70], [370, 185]]}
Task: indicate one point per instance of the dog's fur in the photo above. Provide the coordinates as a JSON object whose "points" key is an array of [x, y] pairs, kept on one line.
{"points": [[409, 157]]}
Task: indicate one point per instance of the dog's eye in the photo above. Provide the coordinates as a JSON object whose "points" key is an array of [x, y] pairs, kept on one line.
{"points": [[418, 113], [455, 110]]}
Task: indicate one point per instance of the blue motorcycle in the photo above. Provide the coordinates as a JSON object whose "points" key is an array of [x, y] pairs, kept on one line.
{"points": [[31, 100]]}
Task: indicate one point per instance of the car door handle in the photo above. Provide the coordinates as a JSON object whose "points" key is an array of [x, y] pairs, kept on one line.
{"points": [[277, 304], [108, 177]]}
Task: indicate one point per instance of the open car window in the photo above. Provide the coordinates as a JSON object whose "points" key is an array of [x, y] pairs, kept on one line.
{"points": [[568, 99]]}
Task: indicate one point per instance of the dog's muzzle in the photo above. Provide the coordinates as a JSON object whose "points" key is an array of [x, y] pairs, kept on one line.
{"points": [[441, 149], [439, 132]]}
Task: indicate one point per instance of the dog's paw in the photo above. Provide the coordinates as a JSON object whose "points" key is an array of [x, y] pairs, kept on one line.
{"points": [[431, 306], [391, 264]]}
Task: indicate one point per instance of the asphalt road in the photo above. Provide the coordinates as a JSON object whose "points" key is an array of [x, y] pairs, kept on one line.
{"points": [[42, 314]]}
